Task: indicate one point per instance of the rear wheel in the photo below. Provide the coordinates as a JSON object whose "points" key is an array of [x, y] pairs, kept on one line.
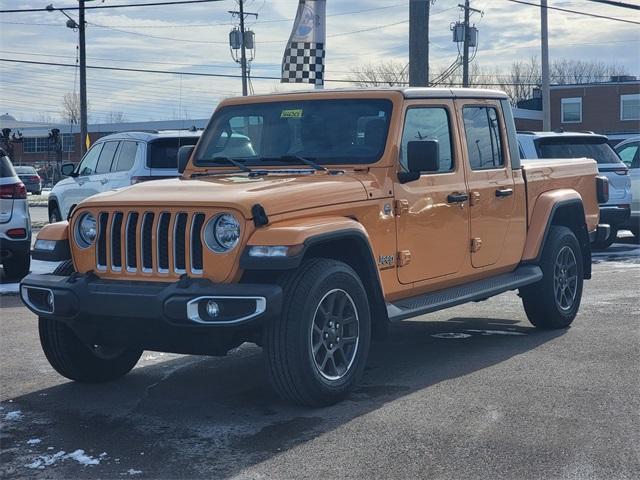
{"points": [[317, 349], [16, 267], [76, 360], [553, 302]]}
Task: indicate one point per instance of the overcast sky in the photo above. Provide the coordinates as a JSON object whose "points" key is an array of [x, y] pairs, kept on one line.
{"points": [[193, 38]]}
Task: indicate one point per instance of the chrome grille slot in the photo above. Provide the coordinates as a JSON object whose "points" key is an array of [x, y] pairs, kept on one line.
{"points": [[146, 248], [179, 250], [116, 242], [196, 243], [131, 247], [163, 242], [101, 248]]}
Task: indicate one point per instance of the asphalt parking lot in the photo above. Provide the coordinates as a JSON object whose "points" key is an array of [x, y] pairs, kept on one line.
{"points": [[470, 392]]}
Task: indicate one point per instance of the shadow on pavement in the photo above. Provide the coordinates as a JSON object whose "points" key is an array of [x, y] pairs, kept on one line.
{"points": [[211, 417]]}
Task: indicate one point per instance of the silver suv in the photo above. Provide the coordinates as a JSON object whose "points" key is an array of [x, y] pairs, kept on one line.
{"points": [[616, 211], [117, 161], [15, 223]]}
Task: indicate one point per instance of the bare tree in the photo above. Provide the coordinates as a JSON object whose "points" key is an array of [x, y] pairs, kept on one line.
{"points": [[71, 108], [385, 74], [115, 117]]}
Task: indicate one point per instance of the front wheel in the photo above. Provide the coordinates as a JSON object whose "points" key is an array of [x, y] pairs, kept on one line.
{"points": [[553, 302], [317, 349], [54, 214]]}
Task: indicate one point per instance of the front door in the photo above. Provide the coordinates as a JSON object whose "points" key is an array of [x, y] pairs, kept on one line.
{"points": [[432, 214], [489, 180]]}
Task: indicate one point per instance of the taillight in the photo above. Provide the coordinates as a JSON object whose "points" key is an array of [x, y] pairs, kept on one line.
{"points": [[602, 188], [17, 233], [13, 191]]}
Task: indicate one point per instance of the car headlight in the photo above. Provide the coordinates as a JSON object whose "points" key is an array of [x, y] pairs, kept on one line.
{"points": [[86, 230], [222, 233]]}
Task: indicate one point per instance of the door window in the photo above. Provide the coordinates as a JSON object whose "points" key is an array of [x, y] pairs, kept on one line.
{"points": [[428, 123], [88, 164], [484, 145], [126, 157], [629, 153], [106, 157]]}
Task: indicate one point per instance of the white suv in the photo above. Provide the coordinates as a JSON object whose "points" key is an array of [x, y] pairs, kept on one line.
{"points": [[15, 223], [616, 211], [117, 161]]}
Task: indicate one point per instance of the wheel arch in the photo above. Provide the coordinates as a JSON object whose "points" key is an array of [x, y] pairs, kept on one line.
{"points": [[560, 207]]}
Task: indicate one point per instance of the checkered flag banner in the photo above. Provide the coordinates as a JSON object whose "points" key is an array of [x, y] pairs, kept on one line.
{"points": [[303, 60]]}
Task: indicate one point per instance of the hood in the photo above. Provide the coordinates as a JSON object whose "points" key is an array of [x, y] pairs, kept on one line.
{"points": [[276, 193]]}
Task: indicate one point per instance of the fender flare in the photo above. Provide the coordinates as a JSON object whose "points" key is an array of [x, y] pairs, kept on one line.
{"points": [[59, 234]]}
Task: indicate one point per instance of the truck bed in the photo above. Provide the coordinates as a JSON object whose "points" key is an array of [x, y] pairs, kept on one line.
{"points": [[563, 173]]}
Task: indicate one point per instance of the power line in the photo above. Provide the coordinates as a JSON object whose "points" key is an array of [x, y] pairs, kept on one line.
{"points": [[51, 8], [604, 17], [617, 4]]}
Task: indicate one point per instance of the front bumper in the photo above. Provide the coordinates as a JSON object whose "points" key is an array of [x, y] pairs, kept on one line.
{"points": [[151, 315], [614, 215]]}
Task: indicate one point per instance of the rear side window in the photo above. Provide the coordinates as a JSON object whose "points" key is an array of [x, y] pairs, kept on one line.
{"points": [[88, 163], [629, 155], [106, 157], [428, 123], [126, 157], [163, 152], [6, 168], [596, 148], [484, 145]]}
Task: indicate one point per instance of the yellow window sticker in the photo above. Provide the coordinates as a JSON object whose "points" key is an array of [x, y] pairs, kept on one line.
{"points": [[291, 113]]}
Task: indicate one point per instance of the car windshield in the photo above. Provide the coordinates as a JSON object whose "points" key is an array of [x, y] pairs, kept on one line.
{"points": [[577, 147], [274, 133], [25, 170], [163, 152]]}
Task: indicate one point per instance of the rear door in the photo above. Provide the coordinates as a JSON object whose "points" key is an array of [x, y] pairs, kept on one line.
{"points": [[489, 179], [124, 162], [103, 175]]}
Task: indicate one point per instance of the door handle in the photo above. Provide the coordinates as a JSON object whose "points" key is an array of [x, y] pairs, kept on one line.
{"points": [[457, 197], [504, 192]]}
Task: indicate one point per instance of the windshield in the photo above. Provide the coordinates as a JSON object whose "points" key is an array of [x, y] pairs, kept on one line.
{"points": [[325, 131], [596, 148], [163, 153]]}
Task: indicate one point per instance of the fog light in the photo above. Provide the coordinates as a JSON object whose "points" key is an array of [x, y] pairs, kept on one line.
{"points": [[50, 300], [213, 310]]}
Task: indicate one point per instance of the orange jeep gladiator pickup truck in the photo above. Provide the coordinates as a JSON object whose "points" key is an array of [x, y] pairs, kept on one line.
{"points": [[306, 223]]}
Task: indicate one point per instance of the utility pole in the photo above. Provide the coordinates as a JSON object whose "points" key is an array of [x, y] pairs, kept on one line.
{"points": [[465, 48], [546, 91], [419, 43], [243, 40], [83, 79]]}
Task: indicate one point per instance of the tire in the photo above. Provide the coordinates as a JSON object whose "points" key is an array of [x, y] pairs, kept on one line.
{"points": [[39, 192], [318, 296], [75, 360], [613, 237], [553, 302], [54, 214], [15, 268]]}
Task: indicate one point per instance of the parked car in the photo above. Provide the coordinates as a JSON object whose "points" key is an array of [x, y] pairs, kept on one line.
{"points": [[629, 152], [353, 209], [117, 161], [15, 223], [30, 178], [548, 145]]}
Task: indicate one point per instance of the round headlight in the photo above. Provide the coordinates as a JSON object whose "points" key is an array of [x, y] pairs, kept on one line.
{"points": [[86, 230], [222, 233]]}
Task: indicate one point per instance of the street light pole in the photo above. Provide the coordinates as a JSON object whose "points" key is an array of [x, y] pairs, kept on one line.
{"points": [[546, 90], [83, 79]]}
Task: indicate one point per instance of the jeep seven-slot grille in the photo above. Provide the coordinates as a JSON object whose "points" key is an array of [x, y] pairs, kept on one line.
{"points": [[150, 242]]}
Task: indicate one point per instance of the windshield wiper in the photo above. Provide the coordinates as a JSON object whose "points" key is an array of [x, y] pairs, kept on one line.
{"points": [[299, 159], [233, 162]]}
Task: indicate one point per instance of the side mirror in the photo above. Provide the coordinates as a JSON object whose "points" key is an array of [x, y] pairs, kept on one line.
{"points": [[67, 169], [184, 154], [422, 156]]}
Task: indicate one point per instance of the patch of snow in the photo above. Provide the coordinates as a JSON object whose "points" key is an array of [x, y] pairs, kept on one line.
{"points": [[49, 448], [15, 415], [33, 441], [46, 460], [494, 332], [82, 458], [131, 471], [451, 335]]}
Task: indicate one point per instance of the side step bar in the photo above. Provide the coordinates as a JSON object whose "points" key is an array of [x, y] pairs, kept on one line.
{"points": [[450, 297]]}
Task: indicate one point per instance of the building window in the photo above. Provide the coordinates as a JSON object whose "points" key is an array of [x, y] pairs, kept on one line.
{"points": [[630, 107], [44, 145], [571, 110]]}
